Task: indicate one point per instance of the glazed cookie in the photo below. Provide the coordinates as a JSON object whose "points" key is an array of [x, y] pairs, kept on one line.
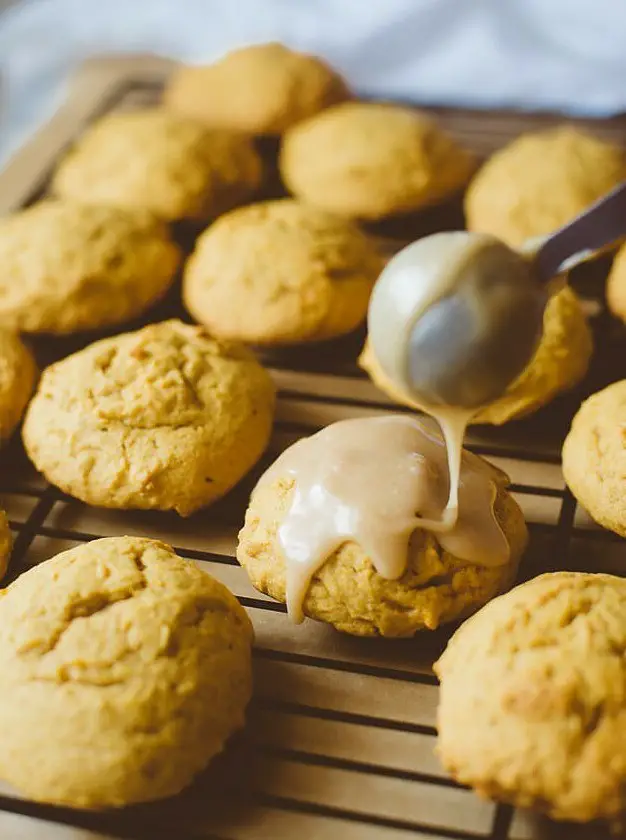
{"points": [[346, 588], [6, 543], [165, 418], [370, 160], [279, 273], [541, 181], [157, 161], [533, 697], [594, 457], [17, 379], [260, 89], [125, 670], [66, 268], [560, 362]]}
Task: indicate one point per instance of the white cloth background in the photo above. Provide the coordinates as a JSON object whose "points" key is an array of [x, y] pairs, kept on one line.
{"points": [[563, 54]]}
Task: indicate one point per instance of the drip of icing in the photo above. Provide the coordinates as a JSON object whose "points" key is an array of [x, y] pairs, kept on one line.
{"points": [[374, 481]]}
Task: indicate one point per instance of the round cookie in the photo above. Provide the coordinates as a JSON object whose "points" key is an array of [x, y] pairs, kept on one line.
{"points": [[66, 268], [167, 164], [17, 379], [540, 181], [616, 285], [280, 272], [533, 697], [371, 160], [259, 89], [6, 543], [594, 457], [125, 670], [559, 363], [166, 418], [348, 592]]}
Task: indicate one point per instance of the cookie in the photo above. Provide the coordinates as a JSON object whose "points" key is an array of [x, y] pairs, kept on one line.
{"points": [[165, 418], [533, 697], [616, 285], [66, 268], [594, 457], [17, 379], [167, 164], [280, 272], [371, 160], [347, 591], [125, 670], [559, 363], [540, 181], [6, 543], [259, 89]]}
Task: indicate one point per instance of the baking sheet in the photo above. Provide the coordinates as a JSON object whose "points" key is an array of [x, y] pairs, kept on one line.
{"points": [[341, 730]]}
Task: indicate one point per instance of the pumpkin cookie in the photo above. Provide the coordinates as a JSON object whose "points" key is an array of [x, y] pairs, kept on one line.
{"points": [[165, 418], [157, 161], [66, 268], [560, 362], [541, 181], [347, 591], [260, 89], [280, 273], [594, 457], [17, 379], [125, 670], [370, 160], [616, 285], [533, 697]]}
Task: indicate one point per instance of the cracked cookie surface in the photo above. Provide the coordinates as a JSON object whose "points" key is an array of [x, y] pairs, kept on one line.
{"points": [[124, 671], [259, 89], [540, 181], [18, 372], [594, 457], [560, 362], [347, 591], [66, 268], [281, 272], [533, 697], [165, 418], [167, 164], [372, 160]]}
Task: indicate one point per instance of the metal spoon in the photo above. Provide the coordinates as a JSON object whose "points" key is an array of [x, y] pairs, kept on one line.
{"points": [[455, 317]]}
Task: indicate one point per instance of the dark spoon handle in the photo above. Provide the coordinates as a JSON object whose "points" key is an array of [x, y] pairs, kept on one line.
{"points": [[600, 225]]}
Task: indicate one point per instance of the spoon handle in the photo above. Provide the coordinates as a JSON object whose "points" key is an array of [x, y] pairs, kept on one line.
{"points": [[600, 225]]}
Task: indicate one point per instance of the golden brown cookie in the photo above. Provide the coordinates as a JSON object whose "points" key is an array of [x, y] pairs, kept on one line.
{"points": [[6, 543], [371, 160], [533, 697], [594, 457], [66, 268], [125, 670], [540, 181], [17, 379], [280, 272], [560, 362], [260, 89], [165, 418], [350, 594], [158, 161], [616, 285]]}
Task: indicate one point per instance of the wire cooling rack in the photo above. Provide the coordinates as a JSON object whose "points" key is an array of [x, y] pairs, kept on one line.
{"points": [[341, 730]]}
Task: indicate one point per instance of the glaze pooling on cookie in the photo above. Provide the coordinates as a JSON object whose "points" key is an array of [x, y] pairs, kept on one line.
{"points": [[374, 481]]}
